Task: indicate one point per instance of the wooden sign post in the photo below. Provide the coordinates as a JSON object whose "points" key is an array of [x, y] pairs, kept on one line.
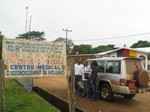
{"points": [[2, 80], [72, 86]]}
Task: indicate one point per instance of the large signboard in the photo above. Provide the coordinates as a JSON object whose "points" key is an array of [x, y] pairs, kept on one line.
{"points": [[26, 58]]}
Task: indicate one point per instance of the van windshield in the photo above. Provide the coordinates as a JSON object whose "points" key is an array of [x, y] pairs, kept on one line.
{"points": [[133, 65]]}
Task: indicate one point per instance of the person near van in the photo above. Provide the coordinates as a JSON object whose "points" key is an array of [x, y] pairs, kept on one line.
{"points": [[93, 78], [78, 75], [86, 71]]}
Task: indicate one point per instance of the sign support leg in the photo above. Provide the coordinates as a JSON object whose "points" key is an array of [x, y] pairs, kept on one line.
{"points": [[2, 85]]}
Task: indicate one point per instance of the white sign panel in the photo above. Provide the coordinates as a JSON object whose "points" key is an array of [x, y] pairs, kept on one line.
{"points": [[26, 58]]}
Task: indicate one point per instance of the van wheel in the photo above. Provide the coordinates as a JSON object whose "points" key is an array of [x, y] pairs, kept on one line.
{"points": [[129, 96], [106, 93]]}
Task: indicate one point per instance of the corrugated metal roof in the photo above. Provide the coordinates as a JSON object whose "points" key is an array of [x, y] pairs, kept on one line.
{"points": [[142, 50]]}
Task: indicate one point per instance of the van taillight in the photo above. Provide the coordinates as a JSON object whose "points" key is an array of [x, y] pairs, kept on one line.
{"points": [[122, 82]]}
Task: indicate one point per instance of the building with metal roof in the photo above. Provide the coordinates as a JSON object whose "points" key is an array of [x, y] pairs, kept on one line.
{"points": [[142, 53]]}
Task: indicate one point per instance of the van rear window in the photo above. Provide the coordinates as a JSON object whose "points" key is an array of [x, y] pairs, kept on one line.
{"points": [[132, 66]]}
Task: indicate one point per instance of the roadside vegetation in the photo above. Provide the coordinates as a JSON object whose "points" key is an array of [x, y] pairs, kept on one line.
{"points": [[19, 100]]}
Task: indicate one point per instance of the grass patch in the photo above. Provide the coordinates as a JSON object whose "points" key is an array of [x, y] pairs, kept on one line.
{"points": [[19, 100]]}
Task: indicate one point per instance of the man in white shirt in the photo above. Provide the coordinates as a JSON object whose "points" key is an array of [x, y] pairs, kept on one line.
{"points": [[78, 75], [86, 71]]}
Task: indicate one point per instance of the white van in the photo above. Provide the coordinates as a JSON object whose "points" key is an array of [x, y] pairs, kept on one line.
{"points": [[120, 75]]}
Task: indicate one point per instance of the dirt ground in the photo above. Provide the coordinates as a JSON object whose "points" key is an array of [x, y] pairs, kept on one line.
{"points": [[58, 86]]}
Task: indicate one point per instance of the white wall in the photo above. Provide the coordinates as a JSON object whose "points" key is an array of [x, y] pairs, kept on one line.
{"points": [[114, 54]]}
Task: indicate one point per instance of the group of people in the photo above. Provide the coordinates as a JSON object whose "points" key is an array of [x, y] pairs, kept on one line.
{"points": [[86, 74]]}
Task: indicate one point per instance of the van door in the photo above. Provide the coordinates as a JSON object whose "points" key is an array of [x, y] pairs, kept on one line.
{"points": [[101, 73], [113, 74]]}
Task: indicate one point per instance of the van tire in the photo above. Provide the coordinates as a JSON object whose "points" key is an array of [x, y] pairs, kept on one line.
{"points": [[106, 93]]}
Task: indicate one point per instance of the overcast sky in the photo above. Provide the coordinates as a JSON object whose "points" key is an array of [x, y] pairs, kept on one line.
{"points": [[95, 22]]}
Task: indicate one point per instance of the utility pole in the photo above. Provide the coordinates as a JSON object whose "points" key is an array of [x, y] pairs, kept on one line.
{"points": [[30, 24], [29, 27], [66, 30], [26, 22]]}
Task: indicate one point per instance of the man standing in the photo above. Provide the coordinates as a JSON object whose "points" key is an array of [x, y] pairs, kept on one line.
{"points": [[78, 75], [93, 78], [86, 71]]}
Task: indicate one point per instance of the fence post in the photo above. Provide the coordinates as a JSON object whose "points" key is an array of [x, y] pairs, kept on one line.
{"points": [[2, 80], [73, 103]]}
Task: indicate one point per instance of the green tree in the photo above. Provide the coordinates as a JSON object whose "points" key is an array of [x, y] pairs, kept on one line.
{"points": [[70, 43], [1, 43], [140, 44], [82, 49], [75, 49], [32, 35], [102, 48]]}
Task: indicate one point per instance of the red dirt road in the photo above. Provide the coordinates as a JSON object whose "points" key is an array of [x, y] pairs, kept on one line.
{"points": [[58, 86]]}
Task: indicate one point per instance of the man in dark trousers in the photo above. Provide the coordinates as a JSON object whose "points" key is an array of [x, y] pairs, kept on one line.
{"points": [[93, 78]]}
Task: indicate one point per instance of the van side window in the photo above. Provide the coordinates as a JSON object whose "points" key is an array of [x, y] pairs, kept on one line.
{"points": [[101, 69], [101, 63], [101, 66], [113, 67]]}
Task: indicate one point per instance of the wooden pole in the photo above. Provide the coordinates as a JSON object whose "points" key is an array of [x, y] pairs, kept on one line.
{"points": [[68, 81], [72, 86], [2, 85], [69, 91]]}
